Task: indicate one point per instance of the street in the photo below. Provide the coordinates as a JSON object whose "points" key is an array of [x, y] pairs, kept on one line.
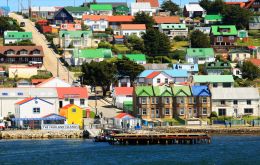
{"points": [[51, 62]]}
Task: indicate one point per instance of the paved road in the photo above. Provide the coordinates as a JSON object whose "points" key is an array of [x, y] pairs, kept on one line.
{"points": [[50, 61]]}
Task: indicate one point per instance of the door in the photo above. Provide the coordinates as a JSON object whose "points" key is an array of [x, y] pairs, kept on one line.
{"points": [[60, 104], [222, 112], [157, 113]]}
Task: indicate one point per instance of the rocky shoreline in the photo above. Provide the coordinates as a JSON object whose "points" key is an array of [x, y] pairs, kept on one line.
{"points": [[40, 134]]}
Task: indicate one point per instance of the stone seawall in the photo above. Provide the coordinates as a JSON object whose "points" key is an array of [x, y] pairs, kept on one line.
{"points": [[211, 130], [40, 134]]}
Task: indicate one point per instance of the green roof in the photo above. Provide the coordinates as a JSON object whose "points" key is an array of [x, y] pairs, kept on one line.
{"points": [[121, 8], [76, 9], [212, 78], [128, 102], [75, 34], [181, 91], [216, 30], [213, 17], [173, 26], [133, 57], [144, 91], [218, 65], [92, 53], [162, 91], [17, 35], [101, 7], [200, 52]]}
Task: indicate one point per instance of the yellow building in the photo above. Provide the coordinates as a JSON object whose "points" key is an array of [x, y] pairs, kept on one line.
{"points": [[73, 114]]}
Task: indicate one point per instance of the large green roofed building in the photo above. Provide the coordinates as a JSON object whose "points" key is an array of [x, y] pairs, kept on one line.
{"points": [[17, 35], [138, 58], [222, 30], [200, 52], [98, 7], [75, 34]]}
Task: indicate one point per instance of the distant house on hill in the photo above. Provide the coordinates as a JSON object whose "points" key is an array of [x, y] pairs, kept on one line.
{"points": [[223, 35], [60, 17], [193, 10]]}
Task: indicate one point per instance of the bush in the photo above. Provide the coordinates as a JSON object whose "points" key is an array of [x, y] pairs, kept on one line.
{"points": [[180, 38], [213, 114], [104, 44], [178, 55]]}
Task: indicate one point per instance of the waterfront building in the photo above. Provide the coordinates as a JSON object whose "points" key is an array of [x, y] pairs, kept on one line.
{"points": [[121, 95], [73, 114], [125, 120], [235, 102]]}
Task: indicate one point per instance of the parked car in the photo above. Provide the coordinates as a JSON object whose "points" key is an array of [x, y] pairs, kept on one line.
{"points": [[22, 24]]}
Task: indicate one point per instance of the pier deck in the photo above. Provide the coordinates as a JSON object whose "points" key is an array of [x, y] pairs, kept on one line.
{"points": [[166, 138]]}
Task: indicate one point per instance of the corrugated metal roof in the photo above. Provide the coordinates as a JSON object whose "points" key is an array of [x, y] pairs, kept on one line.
{"points": [[200, 91], [212, 78]]}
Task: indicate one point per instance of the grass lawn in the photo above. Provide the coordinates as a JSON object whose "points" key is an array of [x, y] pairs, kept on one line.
{"points": [[252, 42], [180, 45], [121, 48]]}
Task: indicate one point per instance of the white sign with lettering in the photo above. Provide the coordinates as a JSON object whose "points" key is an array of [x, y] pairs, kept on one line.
{"points": [[60, 127]]}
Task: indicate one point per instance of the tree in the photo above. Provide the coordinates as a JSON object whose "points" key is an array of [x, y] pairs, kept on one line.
{"points": [[109, 30], [213, 7], [205, 4], [99, 74], [125, 67], [143, 18], [135, 43], [250, 71], [178, 55], [235, 15], [171, 7], [8, 23], [199, 40], [104, 44], [156, 43]]}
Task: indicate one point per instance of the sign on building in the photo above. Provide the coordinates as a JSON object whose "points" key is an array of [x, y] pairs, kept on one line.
{"points": [[60, 127]]}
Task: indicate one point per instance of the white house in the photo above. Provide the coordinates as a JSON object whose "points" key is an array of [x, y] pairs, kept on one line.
{"points": [[174, 30], [124, 120], [122, 94], [54, 82], [132, 29], [235, 102], [142, 7], [193, 10], [76, 39], [192, 69], [96, 22], [239, 54], [200, 55]]}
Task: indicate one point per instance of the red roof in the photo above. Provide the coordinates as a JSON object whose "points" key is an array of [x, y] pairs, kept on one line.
{"points": [[119, 37], [124, 91], [122, 115], [153, 74], [94, 17], [166, 19], [24, 100], [133, 27], [154, 3], [120, 18], [256, 62], [246, 4], [45, 81], [69, 105], [72, 92]]}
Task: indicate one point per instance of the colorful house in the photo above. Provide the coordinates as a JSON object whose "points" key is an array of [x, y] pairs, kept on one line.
{"points": [[192, 69], [166, 20], [214, 81], [217, 68], [11, 37], [116, 21], [200, 55], [154, 3], [77, 12], [142, 7], [213, 19], [122, 94], [125, 120], [174, 30], [96, 22], [223, 35], [239, 54], [193, 10], [60, 17], [132, 29], [75, 39], [70, 27], [73, 114], [88, 55], [101, 9], [138, 58]]}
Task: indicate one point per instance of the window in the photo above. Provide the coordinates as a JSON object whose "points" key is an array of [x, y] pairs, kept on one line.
{"points": [[167, 100], [74, 110], [226, 85], [181, 100], [4, 94], [219, 39], [248, 102], [71, 101], [222, 112], [23, 52], [248, 110], [155, 100], [204, 99], [215, 85], [158, 80], [82, 101], [144, 111], [231, 38], [166, 80], [195, 110], [66, 99], [222, 102], [144, 100], [204, 111], [167, 111], [36, 110], [235, 102], [190, 100], [181, 111]]}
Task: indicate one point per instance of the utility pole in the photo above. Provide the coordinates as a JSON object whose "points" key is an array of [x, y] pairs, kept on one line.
{"points": [[57, 67]]}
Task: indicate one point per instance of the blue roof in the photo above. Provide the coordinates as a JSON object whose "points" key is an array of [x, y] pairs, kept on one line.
{"points": [[6, 8], [202, 90], [172, 73], [187, 67]]}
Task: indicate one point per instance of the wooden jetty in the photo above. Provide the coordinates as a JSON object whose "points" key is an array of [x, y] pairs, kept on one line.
{"points": [[176, 138]]}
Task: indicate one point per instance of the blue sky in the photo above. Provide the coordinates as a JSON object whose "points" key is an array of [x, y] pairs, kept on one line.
{"points": [[14, 3]]}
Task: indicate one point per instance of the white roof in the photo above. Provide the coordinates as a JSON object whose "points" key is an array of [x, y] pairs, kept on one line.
{"points": [[44, 8], [141, 5], [28, 92], [240, 93], [193, 7]]}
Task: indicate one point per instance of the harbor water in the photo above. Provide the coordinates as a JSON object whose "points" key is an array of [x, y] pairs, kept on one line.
{"points": [[223, 150]]}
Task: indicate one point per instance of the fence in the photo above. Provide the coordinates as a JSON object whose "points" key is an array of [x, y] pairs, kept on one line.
{"points": [[226, 122]]}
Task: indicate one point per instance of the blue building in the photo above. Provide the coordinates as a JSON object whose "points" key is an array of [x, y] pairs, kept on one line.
{"points": [[192, 69]]}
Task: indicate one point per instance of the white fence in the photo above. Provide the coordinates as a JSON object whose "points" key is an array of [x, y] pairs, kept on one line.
{"points": [[60, 127]]}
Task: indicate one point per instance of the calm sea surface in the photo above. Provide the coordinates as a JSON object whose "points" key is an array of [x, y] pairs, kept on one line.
{"points": [[223, 150]]}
